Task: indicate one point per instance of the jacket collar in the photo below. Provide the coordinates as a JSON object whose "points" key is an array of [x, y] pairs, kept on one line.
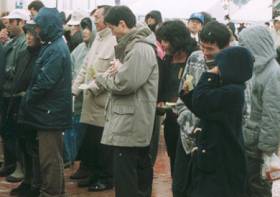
{"points": [[123, 42], [104, 33]]}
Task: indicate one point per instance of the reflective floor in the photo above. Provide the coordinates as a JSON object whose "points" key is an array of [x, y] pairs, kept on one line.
{"points": [[161, 186]]}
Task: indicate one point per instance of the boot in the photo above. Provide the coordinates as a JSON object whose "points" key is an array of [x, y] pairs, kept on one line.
{"points": [[17, 175]]}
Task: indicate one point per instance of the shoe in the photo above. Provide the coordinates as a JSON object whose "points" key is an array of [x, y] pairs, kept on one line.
{"points": [[33, 192], [84, 183], [17, 175], [12, 179], [81, 173], [20, 190], [99, 186], [7, 170], [68, 164]]}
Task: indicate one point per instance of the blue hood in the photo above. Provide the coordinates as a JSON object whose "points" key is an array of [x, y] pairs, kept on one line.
{"points": [[50, 23]]}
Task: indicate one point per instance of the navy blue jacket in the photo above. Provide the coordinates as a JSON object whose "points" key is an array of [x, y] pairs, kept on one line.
{"points": [[47, 104], [219, 162]]}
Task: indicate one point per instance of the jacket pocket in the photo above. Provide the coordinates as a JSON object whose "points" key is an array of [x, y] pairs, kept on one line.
{"points": [[102, 64], [251, 133], [122, 119], [207, 159]]}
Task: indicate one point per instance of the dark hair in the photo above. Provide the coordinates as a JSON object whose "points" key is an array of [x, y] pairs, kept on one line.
{"points": [[207, 17], [227, 17], [178, 35], [215, 32], [92, 12], [2, 26], [86, 23], [29, 28], [155, 14], [118, 13], [36, 5], [106, 9]]}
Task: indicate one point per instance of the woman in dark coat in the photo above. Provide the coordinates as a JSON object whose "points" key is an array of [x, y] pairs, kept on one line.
{"points": [[178, 45], [218, 165]]}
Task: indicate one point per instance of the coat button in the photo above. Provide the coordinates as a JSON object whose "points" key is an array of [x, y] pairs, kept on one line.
{"points": [[203, 151]]}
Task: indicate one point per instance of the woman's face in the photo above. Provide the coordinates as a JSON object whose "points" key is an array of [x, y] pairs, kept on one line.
{"points": [[86, 35], [30, 39]]}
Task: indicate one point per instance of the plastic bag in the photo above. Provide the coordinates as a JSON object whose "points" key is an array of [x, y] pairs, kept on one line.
{"points": [[271, 167]]}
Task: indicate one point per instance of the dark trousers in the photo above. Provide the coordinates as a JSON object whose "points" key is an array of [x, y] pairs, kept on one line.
{"points": [[256, 185], [171, 135], [133, 172], [180, 174], [155, 139], [29, 148], [97, 157], [9, 129], [51, 163]]}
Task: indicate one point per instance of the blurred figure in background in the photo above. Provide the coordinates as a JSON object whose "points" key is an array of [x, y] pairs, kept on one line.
{"points": [[11, 100], [275, 31], [73, 137], [27, 140], [4, 37], [34, 8], [154, 19], [195, 24], [75, 30]]}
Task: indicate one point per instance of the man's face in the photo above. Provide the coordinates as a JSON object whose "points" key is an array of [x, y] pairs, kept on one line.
{"points": [[99, 19], [15, 27], [86, 35], [277, 25], [209, 50], [195, 26], [120, 30], [33, 12]]}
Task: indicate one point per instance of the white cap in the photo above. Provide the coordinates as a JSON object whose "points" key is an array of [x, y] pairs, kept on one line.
{"points": [[18, 14], [76, 18]]}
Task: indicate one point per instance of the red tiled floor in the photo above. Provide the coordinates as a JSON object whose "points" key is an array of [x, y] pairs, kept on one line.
{"points": [[161, 186]]}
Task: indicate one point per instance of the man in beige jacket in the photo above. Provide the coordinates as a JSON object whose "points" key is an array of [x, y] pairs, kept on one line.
{"points": [[130, 112], [94, 155]]}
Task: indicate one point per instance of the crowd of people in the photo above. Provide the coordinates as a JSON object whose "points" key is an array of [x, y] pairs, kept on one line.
{"points": [[96, 88]]}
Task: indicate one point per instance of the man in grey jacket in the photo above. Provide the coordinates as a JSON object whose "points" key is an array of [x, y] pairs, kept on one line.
{"points": [[133, 85], [262, 129]]}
